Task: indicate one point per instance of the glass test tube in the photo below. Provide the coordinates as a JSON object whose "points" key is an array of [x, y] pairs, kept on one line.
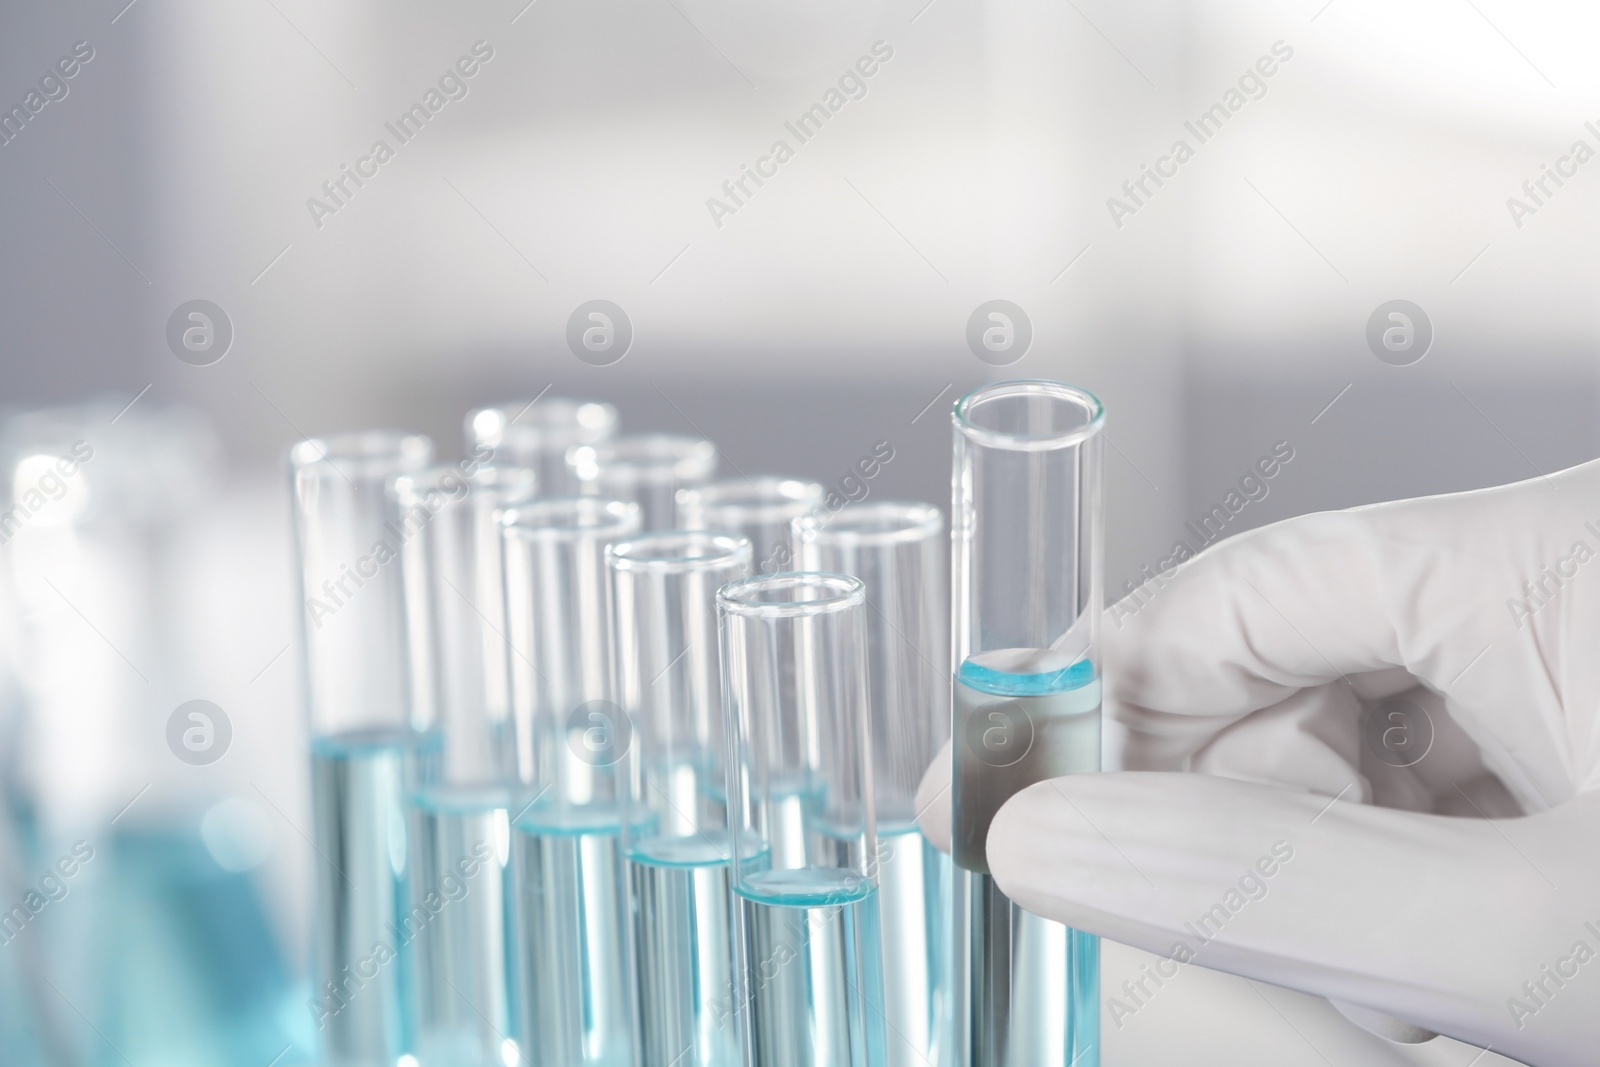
{"points": [[460, 826], [798, 740], [898, 552], [648, 469], [1026, 704], [761, 510], [574, 974], [679, 850], [370, 742], [537, 433]]}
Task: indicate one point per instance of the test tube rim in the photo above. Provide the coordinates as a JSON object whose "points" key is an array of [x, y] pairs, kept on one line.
{"points": [[528, 521], [620, 557], [930, 523], [801, 494], [1081, 399], [362, 453], [548, 427], [852, 592], [506, 486], [685, 457]]}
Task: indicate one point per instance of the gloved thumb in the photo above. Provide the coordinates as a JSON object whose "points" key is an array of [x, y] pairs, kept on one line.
{"points": [[1390, 912]]}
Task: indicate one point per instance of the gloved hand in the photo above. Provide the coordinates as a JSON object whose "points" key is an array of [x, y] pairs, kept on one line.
{"points": [[1300, 669]]}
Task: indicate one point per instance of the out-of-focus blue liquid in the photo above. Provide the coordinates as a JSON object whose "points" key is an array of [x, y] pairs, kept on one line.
{"points": [[460, 925], [684, 951], [1026, 990], [361, 993], [812, 960], [574, 976], [914, 917]]}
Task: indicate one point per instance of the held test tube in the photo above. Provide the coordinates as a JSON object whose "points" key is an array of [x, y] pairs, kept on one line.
{"points": [[898, 552], [537, 434], [460, 829], [807, 958], [1026, 704], [677, 844], [574, 974], [647, 469], [370, 742]]}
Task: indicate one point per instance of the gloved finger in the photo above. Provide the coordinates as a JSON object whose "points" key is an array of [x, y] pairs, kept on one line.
{"points": [[1395, 912], [1245, 626], [1311, 740], [933, 801], [1416, 756], [1362, 598]]}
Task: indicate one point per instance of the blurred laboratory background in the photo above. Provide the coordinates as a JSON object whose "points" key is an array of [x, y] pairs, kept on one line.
{"points": [[801, 308]]}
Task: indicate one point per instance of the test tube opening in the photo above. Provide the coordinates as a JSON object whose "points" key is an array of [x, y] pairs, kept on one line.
{"points": [[537, 434], [761, 509]]}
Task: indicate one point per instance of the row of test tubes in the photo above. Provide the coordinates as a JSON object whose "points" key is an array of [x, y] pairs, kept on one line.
{"points": [[589, 792]]}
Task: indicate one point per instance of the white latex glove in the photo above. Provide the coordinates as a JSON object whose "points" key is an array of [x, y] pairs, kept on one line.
{"points": [[1419, 893]]}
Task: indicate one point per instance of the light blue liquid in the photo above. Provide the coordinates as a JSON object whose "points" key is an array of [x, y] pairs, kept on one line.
{"points": [[810, 957], [574, 975], [1026, 990], [914, 907], [187, 967], [684, 951], [361, 990], [460, 926]]}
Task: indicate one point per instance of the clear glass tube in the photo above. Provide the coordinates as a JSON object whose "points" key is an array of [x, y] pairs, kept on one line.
{"points": [[575, 975], [349, 539], [455, 611], [537, 433], [460, 826], [799, 770], [761, 510], [647, 469], [898, 552], [1026, 703], [370, 741], [678, 848]]}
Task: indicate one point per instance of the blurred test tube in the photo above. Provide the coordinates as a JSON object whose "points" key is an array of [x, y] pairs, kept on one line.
{"points": [[537, 434], [647, 469]]}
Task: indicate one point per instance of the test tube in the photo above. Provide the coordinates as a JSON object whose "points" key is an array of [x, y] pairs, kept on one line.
{"points": [[1026, 518], [678, 850], [897, 550], [460, 826], [370, 741], [798, 737], [537, 433], [648, 469], [575, 977], [760, 509]]}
